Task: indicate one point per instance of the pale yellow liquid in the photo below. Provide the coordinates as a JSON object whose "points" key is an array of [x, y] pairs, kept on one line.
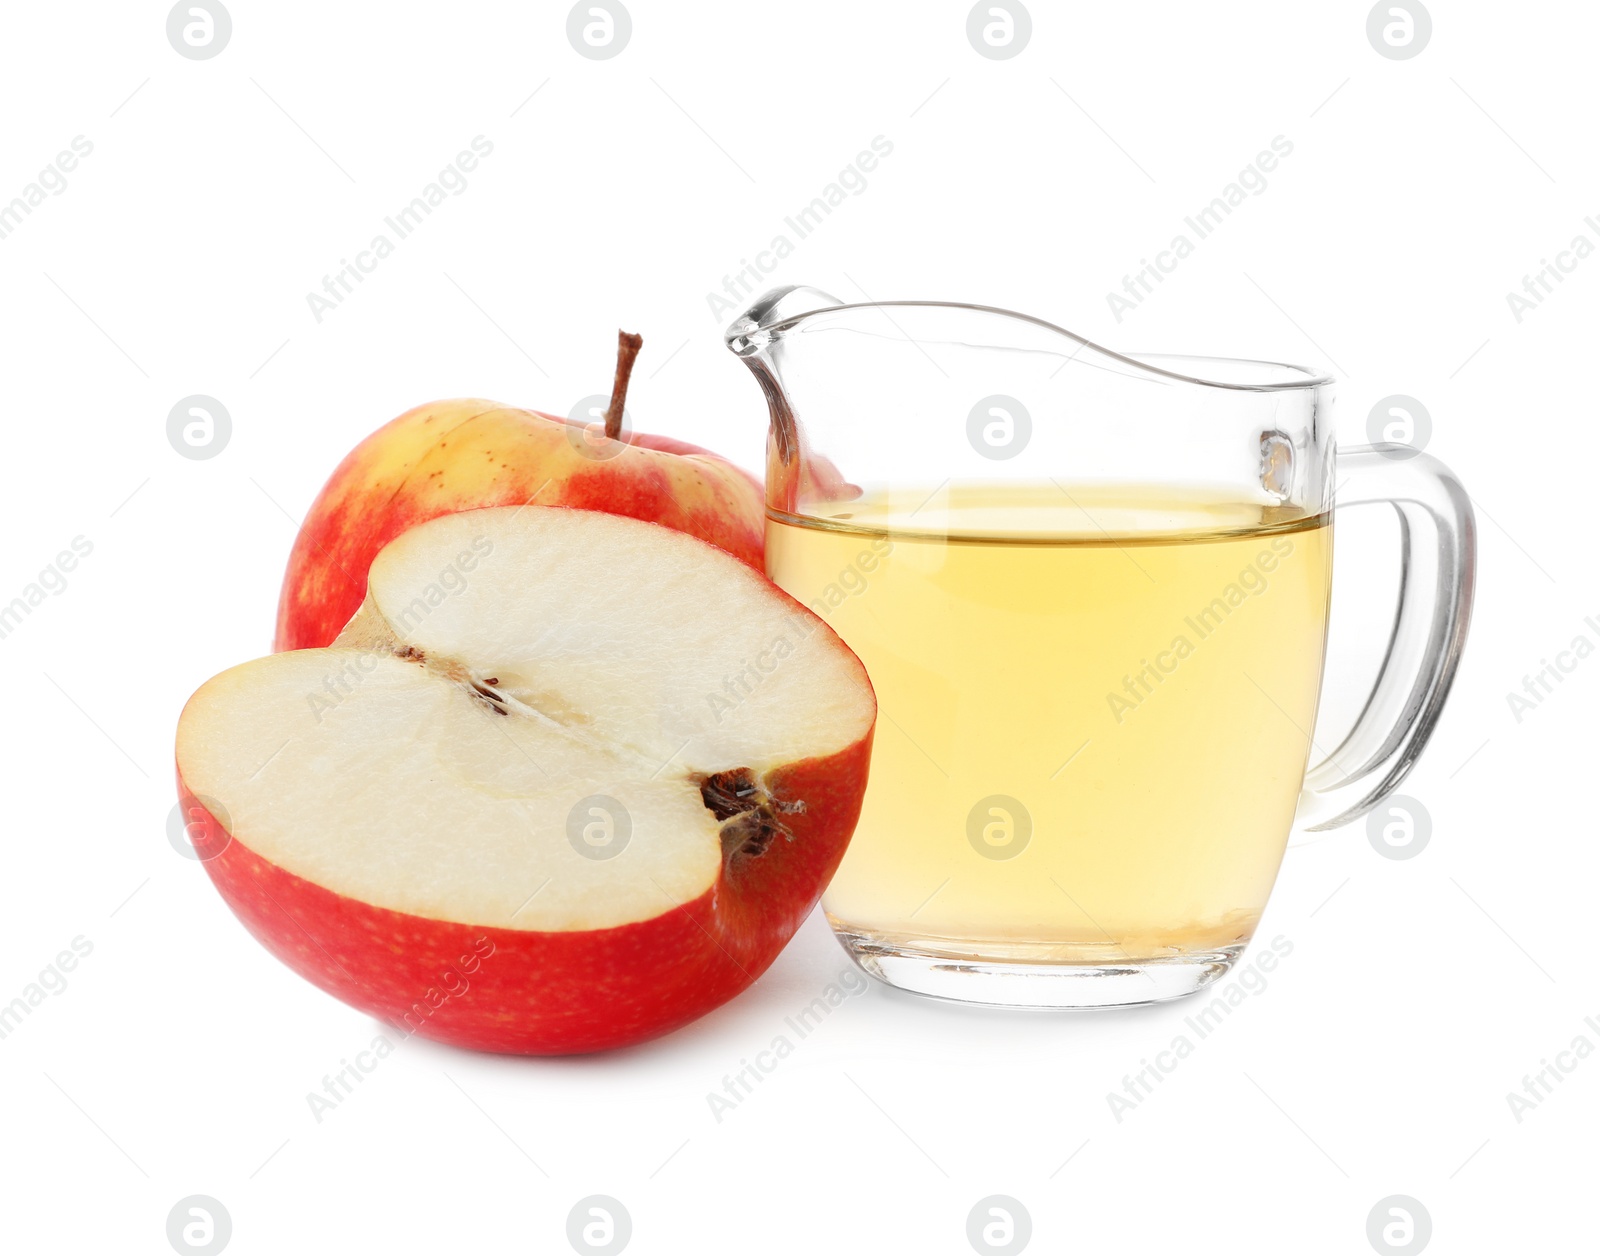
{"points": [[1135, 672]]}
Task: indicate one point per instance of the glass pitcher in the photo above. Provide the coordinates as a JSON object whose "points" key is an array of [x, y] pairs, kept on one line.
{"points": [[1091, 592]]}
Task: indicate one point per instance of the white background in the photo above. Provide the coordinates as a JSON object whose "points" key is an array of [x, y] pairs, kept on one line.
{"points": [[177, 261]]}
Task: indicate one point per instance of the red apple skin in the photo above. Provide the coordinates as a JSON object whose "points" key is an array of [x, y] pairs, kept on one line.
{"points": [[450, 456], [551, 993]]}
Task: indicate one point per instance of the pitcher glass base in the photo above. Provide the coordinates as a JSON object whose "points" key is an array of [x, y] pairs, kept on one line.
{"points": [[1026, 983]]}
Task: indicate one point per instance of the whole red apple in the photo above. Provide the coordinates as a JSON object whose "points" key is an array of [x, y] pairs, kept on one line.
{"points": [[449, 456]]}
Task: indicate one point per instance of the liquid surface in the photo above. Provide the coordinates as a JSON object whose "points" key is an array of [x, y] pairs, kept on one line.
{"points": [[1094, 710]]}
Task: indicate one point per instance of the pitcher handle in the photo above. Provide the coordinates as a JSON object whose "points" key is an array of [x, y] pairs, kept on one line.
{"points": [[1438, 565]]}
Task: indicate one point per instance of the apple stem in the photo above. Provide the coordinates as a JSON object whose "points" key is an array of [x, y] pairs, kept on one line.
{"points": [[628, 344]]}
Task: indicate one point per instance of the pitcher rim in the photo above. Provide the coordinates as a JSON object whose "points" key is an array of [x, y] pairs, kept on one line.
{"points": [[1306, 377]]}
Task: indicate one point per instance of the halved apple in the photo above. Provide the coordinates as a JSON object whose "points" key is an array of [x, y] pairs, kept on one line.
{"points": [[566, 781]]}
